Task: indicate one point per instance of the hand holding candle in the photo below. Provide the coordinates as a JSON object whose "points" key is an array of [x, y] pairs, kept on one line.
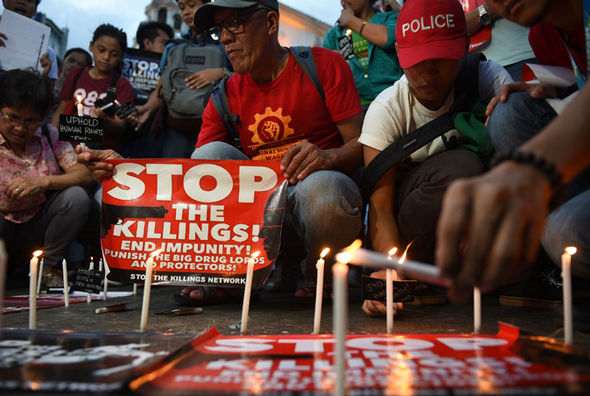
{"points": [[319, 291]]}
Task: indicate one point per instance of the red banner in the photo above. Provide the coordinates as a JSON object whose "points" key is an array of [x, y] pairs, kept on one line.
{"points": [[377, 364], [208, 217], [484, 35]]}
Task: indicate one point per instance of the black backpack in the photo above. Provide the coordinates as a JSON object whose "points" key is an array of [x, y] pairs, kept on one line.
{"points": [[305, 60], [466, 95]]}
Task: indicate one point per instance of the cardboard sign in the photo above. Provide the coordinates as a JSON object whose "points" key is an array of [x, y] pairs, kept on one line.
{"points": [[484, 35], [89, 281], [507, 363], [346, 47], [142, 69], [83, 363], [81, 129], [208, 217]]}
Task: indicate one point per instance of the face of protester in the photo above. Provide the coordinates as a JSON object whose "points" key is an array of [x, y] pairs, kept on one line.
{"points": [[187, 11], [245, 47], [159, 42], [74, 59], [357, 5], [18, 124], [107, 54], [431, 81], [523, 12], [26, 8]]}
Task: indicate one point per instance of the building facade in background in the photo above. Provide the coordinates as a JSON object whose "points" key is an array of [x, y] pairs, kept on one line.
{"points": [[59, 36], [296, 27]]}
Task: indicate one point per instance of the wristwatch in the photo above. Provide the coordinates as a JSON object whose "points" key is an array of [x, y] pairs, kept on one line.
{"points": [[484, 17]]}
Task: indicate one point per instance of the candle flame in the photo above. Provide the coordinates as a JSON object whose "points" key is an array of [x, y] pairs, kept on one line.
{"points": [[403, 257], [37, 253], [255, 254], [155, 253], [324, 252], [353, 246], [391, 252], [116, 102], [343, 257], [79, 98], [571, 250]]}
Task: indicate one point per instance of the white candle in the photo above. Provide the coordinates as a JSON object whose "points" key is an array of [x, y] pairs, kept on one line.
{"points": [[247, 292], [319, 291], [566, 277], [389, 293], [33, 270], [3, 261], [135, 289], [105, 284], [64, 267], [340, 303], [147, 287], [40, 275], [79, 106], [476, 310], [91, 268]]}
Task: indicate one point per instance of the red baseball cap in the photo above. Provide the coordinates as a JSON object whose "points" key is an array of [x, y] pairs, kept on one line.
{"points": [[430, 29]]}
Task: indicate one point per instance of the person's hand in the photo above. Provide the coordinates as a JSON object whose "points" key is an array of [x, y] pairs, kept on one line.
{"points": [[96, 112], [377, 308], [203, 78], [346, 15], [537, 91], [303, 159], [94, 160], [45, 64], [140, 117], [22, 187], [2, 39], [490, 227]]}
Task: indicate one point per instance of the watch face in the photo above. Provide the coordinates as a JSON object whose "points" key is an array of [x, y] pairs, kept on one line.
{"points": [[485, 19]]}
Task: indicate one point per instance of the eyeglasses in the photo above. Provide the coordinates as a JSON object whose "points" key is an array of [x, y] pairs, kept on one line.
{"points": [[14, 121], [232, 23]]}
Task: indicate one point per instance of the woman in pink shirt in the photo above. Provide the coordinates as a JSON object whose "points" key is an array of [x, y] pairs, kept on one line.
{"points": [[40, 195]]}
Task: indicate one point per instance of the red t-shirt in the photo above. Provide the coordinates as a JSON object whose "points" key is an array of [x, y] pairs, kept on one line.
{"points": [[288, 110], [549, 47], [91, 90]]}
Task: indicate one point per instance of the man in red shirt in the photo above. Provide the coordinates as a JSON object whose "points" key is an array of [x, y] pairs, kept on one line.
{"points": [[283, 117]]}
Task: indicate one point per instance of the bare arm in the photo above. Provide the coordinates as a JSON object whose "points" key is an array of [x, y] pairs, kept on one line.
{"points": [[374, 32], [77, 175]]}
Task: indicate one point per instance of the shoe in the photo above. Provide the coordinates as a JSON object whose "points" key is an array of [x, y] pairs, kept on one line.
{"points": [[429, 295], [543, 291], [52, 278]]}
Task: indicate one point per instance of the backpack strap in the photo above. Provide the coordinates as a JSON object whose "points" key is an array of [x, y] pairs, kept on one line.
{"points": [[219, 99], [466, 94], [305, 60], [112, 90]]}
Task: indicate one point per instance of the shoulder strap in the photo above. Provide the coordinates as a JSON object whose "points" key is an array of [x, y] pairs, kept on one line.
{"points": [[305, 60], [219, 99], [76, 78], [466, 93], [112, 90], [45, 132]]}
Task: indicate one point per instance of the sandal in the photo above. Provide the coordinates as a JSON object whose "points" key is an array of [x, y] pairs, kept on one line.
{"points": [[374, 289], [211, 297]]}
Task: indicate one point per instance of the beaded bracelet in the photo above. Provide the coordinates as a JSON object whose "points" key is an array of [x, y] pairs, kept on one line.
{"points": [[541, 164]]}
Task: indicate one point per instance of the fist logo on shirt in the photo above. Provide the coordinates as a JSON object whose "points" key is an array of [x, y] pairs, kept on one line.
{"points": [[270, 127]]}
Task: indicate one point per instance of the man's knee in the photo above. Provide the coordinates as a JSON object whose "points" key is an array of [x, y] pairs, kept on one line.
{"points": [[218, 151], [75, 200]]}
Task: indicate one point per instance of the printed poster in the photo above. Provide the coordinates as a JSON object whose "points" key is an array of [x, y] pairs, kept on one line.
{"points": [[208, 217], [142, 69], [411, 364]]}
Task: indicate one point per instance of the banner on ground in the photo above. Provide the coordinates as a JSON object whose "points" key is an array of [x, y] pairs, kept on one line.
{"points": [[423, 364], [208, 217]]}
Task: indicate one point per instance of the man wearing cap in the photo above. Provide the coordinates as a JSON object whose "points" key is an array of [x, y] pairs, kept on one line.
{"points": [[282, 116], [405, 203]]}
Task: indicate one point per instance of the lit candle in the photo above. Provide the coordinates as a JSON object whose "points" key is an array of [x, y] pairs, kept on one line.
{"points": [[64, 267], [79, 105], [389, 277], [33, 270], [340, 282], [247, 292], [91, 268], [105, 282], [147, 287], [3, 261], [566, 277], [319, 291], [476, 310], [40, 275]]}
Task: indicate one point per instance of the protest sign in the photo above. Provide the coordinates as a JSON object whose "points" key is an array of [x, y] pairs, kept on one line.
{"points": [[141, 68], [483, 36], [81, 129], [86, 362], [507, 363], [88, 280], [27, 41], [208, 217]]}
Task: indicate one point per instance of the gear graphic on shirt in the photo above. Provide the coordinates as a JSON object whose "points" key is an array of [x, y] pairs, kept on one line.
{"points": [[270, 127]]}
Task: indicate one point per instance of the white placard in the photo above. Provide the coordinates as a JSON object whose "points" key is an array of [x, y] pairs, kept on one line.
{"points": [[27, 41]]}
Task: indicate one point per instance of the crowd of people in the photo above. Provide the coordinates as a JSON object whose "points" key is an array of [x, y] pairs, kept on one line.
{"points": [[457, 157]]}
